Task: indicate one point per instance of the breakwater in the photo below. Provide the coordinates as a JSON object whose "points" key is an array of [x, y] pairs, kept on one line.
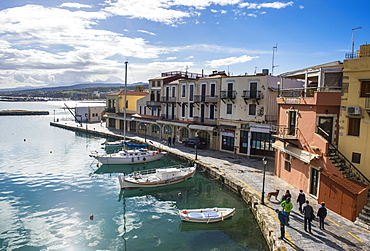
{"points": [[22, 113]]}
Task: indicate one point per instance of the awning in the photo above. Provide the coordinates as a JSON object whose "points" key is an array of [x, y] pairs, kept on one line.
{"points": [[172, 123], [302, 155], [201, 127]]}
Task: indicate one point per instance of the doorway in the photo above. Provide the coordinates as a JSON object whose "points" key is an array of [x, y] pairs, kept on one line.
{"points": [[314, 182]]}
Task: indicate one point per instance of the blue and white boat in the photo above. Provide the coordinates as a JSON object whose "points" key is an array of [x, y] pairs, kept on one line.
{"points": [[206, 215]]}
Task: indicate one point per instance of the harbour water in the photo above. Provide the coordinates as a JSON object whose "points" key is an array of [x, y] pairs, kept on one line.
{"points": [[49, 188]]}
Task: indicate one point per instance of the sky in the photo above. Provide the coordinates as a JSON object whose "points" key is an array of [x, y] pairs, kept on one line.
{"points": [[54, 43]]}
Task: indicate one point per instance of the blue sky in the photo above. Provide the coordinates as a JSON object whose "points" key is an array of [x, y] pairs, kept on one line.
{"points": [[52, 42]]}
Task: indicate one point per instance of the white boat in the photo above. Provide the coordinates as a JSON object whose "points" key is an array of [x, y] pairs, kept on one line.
{"points": [[119, 143], [206, 215], [136, 156], [156, 177]]}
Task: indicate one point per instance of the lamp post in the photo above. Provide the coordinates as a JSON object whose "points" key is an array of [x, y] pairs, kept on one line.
{"points": [[196, 151], [145, 132], [264, 161], [353, 41], [278, 84]]}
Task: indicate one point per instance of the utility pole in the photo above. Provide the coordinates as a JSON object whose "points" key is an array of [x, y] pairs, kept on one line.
{"points": [[274, 49], [353, 41]]}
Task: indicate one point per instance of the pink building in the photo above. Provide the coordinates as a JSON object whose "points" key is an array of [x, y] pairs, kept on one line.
{"points": [[307, 137]]}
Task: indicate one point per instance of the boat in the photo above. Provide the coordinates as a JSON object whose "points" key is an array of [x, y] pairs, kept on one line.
{"points": [[119, 143], [156, 177], [126, 156], [135, 156], [206, 215]]}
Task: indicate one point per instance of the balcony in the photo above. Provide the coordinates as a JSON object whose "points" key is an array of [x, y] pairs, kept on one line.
{"points": [[168, 99], [306, 92], [206, 121], [168, 117], [153, 103], [205, 99], [111, 110], [251, 95], [228, 94], [285, 133]]}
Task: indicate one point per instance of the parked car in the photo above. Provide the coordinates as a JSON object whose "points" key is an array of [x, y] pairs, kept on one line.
{"points": [[199, 142]]}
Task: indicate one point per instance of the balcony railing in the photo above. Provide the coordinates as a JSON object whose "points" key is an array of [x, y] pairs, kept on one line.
{"points": [[206, 121], [284, 132], [357, 54], [251, 94], [110, 110], [168, 99], [168, 117], [306, 92], [205, 98], [153, 103], [228, 94]]}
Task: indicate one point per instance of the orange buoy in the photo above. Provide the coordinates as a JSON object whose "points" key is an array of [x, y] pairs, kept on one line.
{"points": [[91, 217], [185, 212]]}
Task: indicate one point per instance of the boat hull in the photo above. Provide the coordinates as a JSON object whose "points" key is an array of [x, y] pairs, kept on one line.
{"points": [[206, 215], [130, 182], [120, 159]]}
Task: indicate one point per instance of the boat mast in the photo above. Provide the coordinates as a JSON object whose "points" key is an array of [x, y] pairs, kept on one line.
{"points": [[124, 104]]}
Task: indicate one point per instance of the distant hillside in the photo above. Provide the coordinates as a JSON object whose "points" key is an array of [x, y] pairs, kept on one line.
{"points": [[71, 87]]}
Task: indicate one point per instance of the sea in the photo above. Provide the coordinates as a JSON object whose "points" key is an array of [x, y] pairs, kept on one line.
{"points": [[53, 196]]}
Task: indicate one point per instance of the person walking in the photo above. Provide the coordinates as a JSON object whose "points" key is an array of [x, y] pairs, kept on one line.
{"points": [[322, 214], [308, 216], [301, 199], [286, 196], [169, 141], [283, 220], [287, 206], [173, 141]]}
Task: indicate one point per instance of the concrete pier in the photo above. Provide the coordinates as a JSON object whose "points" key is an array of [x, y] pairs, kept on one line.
{"points": [[244, 175]]}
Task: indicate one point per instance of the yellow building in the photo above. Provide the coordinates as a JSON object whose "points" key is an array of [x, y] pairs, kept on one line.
{"points": [[354, 132], [116, 108]]}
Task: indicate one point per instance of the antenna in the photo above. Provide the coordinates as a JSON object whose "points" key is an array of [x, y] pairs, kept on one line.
{"points": [[353, 41], [255, 70], [274, 49]]}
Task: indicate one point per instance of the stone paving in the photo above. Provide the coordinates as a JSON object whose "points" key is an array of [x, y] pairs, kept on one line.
{"points": [[339, 233]]}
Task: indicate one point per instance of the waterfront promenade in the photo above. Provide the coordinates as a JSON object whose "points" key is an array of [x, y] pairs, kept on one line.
{"points": [[339, 234]]}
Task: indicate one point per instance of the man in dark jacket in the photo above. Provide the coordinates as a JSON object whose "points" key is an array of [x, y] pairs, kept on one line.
{"points": [[308, 216], [322, 214], [301, 199]]}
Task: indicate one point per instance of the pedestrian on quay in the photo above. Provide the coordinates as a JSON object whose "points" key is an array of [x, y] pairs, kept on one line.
{"points": [[308, 216], [173, 141], [301, 199], [283, 221], [287, 206], [322, 214], [286, 196], [169, 141]]}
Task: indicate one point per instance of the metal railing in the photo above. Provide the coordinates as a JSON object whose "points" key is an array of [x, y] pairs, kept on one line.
{"points": [[228, 94], [357, 54], [110, 110], [286, 132], [207, 121], [205, 98], [348, 163], [168, 117], [153, 103], [251, 94], [168, 99], [306, 92]]}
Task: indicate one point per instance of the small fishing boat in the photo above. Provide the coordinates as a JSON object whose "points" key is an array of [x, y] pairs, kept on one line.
{"points": [[156, 177], [206, 215], [119, 143], [136, 156]]}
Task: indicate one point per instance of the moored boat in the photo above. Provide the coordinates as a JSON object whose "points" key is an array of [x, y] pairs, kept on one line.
{"points": [[129, 157], [206, 215], [156, 177]]}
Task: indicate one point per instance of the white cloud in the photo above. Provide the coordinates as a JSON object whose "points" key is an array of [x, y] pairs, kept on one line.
{"points": [[147, 32], [273, 5], [229, 61], [75, 5], [171, 58]]}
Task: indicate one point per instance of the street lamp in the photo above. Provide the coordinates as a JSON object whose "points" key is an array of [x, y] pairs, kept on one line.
{"points": [[278, 84], [145, 132], [264, 161], [196, 151]]}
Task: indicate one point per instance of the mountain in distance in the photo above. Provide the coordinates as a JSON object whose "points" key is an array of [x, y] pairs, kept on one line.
{"points": [[69, 88]]}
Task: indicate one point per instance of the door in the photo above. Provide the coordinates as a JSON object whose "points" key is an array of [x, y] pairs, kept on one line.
{"points": [[292, 123], [202, 109], [203, 93], [230, 90], [253, 90], [314, 182], [326, 124]]}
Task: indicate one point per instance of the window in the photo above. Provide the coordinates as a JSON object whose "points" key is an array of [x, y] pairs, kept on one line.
{"points": [[191, 92], [183, 91], [229, 109], [252, 109], [153, 83], [173, 91], [183, 110], [213, 90], [211, 111], [288, 164], [356, 158], [365, 89], [354, 126], [158, 83], [191, 110]]}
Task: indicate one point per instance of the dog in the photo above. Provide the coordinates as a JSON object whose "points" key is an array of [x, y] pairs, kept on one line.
{"points": [[270, 194]]}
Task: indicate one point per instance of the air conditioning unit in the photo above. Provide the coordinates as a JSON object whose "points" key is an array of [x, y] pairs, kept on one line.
{"points": [[353, 110]]}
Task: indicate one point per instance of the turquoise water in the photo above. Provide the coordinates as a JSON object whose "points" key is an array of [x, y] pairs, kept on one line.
{"points": [[49, 187]]}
